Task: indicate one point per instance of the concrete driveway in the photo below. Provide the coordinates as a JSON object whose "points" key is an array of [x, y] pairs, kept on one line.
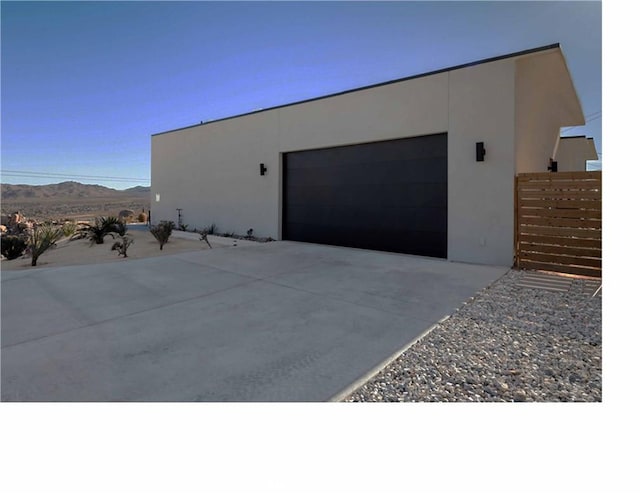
{"points": [[282, 321]]}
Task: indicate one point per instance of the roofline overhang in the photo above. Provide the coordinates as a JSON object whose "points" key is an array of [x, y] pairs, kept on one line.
{"points": [[573, 87]]}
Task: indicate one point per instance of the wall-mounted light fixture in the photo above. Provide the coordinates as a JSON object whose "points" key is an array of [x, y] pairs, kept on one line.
{"points": [[553, 165], [480, 151], [263, 169]]}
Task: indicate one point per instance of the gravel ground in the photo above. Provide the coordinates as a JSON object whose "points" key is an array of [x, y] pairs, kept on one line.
{"points": [[508, 343]]}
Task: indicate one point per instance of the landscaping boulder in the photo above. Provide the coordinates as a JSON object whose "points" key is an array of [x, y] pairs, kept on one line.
{"points": [[126, 215]]}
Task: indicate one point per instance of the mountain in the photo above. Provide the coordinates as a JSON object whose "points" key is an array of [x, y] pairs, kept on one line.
{"points": [[65, 190], [139, 189], [71, 200]]}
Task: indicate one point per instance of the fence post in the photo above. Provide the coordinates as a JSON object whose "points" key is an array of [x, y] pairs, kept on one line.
{"points": [[516, 239]]}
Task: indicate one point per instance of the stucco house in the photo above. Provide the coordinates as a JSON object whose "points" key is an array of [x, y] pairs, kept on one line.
{"points": [[573, 153], [421, 165]]}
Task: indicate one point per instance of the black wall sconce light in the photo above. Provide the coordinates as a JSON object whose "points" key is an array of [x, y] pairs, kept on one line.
{"points": [[480, 151], [263, 169], [553, 165]]}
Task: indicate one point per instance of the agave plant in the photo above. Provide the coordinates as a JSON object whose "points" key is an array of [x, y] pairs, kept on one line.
{"points": [[41, 239]]}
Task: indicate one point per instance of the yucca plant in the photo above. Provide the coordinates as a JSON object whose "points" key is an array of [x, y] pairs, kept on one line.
{"points": [[13, 246], [162, 231], [41, 239], [69, 228]]}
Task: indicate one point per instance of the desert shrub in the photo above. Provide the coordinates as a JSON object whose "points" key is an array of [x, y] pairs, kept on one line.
{"points": [[212, 229], [120, 228], [162, 231], [203, 236], [41, 239], [142, 218], [68, 228], [102, 227], [183, 228], [122, 245], [13, 246]]}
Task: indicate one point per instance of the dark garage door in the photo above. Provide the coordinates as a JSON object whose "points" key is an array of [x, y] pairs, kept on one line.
{"points": [[387, 195]]}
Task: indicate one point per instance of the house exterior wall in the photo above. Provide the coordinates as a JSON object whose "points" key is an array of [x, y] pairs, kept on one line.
{"points": [[211, 171], [545, 102], [481, 109], [573, 152], [404, 109]]}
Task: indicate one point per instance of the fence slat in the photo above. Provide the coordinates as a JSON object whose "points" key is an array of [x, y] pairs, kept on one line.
{"points": [[564, 185], [559, 268], [561, 232], [561, 203], [527, 177], [561, 259], [555, 193], [561, 241], [561, 250], [570, 222], [587, 214]]}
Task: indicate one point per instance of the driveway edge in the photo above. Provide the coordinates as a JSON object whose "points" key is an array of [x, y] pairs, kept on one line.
{"points": [[369, 375]]}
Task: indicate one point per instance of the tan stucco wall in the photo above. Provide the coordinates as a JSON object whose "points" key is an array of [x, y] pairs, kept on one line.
{"points": [[573, 152], [405, 109], [545, 102], [211, 171], [481, 109]]}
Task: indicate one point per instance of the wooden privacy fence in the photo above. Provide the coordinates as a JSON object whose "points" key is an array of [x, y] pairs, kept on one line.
{"points": [[559, 222]]}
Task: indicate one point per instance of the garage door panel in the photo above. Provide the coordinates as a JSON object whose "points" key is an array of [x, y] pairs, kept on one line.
{"points": [[424, 170], [432, 170], [427, 195], [389, 196], [327, 195], [373, 239], [394, 195], [389, 219]]}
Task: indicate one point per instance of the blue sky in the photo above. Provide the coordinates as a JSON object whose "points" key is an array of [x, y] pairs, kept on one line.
{"points": [[85, 84]]}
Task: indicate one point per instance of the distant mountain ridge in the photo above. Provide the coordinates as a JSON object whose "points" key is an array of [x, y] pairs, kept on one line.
{"points": [[64, 190], [138, 188]]}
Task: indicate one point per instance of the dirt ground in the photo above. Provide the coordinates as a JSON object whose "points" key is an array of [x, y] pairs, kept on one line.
{"points": [[75, 252]]}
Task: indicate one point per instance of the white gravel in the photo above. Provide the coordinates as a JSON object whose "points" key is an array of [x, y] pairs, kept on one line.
{"points": [[508, 343]]}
